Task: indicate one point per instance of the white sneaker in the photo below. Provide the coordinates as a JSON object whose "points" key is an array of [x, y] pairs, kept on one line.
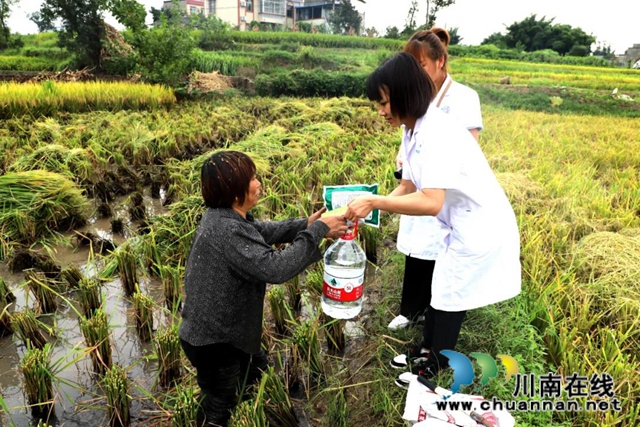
{"points": [[403, 380], [401, 322]]}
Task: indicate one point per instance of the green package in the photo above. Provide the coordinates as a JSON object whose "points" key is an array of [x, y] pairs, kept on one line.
{"points": [[337, 196]]}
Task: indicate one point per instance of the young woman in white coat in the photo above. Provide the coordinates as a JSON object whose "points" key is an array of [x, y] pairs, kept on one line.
{"points": [[429, 47], [445, 175]]}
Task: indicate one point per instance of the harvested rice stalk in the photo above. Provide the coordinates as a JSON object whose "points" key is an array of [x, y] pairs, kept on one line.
{"points": [[41, 288], [96, 335], [168, 350], [38, 384], [27, 328], [89, 296], [144, 314], [72, 275], [116, 387], [127, 264]]}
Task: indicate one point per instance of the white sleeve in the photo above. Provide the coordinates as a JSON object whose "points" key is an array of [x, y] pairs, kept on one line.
{"points": [[471, 112]]}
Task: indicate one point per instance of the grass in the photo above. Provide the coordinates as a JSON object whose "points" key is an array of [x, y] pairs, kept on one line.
{"points": [[96, 334], [36, 368], [116, 387]]}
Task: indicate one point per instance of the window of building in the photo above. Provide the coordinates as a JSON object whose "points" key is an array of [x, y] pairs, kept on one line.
{"points": [[275, 7], [193, 10], [249, 5], [289, 11], [307, 13], [212, 7]]}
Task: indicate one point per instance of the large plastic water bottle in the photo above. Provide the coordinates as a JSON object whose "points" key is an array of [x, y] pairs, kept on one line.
{"points": [[344, 265]]}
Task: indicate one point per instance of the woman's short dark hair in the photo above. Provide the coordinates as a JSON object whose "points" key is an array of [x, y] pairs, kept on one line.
{"points": [[408, 86], [225, 178]]}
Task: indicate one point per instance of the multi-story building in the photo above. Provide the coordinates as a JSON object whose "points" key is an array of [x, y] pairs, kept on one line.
{"points": [[241, 13]]}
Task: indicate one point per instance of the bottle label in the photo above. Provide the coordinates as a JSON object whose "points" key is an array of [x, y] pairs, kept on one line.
{"points": [[342, 290]]}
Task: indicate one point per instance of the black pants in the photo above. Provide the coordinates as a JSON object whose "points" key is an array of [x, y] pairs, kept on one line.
{"points": [[221, 371], [441, 328]]}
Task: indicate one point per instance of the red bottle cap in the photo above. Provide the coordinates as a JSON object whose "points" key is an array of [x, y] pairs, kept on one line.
{"points": [[351, 234]]}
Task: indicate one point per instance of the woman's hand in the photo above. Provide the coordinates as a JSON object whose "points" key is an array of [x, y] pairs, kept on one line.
{"points": [[359, 207], [315, 216], [337, 225]]}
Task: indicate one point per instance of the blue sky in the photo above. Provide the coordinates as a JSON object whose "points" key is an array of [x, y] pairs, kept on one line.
{"points": [[614, 22]]}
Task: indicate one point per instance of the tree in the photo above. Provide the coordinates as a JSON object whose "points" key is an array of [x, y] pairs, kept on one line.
{"points": [[5, 32], [433, 6], [392, 33], [80, 24], [455, 37], [532, 34], [345, 17], [496, 39]]}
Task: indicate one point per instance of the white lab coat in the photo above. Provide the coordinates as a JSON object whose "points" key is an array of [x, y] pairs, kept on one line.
{"points": [[480, 264], [421, 237]]}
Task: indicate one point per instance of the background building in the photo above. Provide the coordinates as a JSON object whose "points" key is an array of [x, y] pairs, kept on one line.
{"points": [[241, 13]]}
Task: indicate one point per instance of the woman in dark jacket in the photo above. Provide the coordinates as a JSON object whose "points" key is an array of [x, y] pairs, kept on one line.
{"points": [[230, 263]]}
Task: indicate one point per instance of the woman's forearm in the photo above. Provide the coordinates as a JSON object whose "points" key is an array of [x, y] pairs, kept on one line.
{"points": [[416, 203]]}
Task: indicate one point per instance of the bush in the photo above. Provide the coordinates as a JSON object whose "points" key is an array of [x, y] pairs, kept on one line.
{"points": [[311, 83], [165, 53]]}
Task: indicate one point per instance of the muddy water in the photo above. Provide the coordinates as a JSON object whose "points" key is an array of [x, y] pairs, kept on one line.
{"points": [[79, 399]]}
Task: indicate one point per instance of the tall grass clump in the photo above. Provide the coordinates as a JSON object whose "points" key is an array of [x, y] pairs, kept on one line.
{"points": [[168, 351], [295, 294], [38, 384], [305, 338], [144, 314], [279, 308], [127, 263], [36, 203], [185, 407], [275, 400], [334, 333], [89, 296], [48, 98], [116, 389], [27, 328], [41, 288], [370, 237], [171, 286], [96, 335]]}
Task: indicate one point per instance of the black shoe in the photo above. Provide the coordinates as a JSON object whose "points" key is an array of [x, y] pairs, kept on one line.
{"points": [[415, 355], [424, 369]]}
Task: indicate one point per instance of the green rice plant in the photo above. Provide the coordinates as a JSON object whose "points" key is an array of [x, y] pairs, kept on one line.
{"points": [[37, 203], [314, 281], [127, 266], [116, 390], [89, 296], [305, 337], [144, 314], [27, 327], [17, 99], [72, 275], [39, 285], [334, 333], [172, 278], [295, 293], [38, 384], [249, 414], [96, 334], [185, 407], [337, 410], [279, 308], [275, 400], [168, 351]]}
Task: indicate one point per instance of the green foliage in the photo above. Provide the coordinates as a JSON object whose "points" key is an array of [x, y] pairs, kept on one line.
{"points": [[309, 83], [345, 19], [392, 33], [5, 32], [164, 53], [532, 34], [82, 29], [315, 40]]}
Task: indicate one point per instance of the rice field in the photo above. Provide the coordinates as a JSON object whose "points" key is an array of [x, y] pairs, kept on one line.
{"points": [[110, 341]]}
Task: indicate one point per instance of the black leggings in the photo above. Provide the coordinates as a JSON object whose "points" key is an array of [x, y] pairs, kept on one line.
{"points": [[222, 371], [441, 328]]}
